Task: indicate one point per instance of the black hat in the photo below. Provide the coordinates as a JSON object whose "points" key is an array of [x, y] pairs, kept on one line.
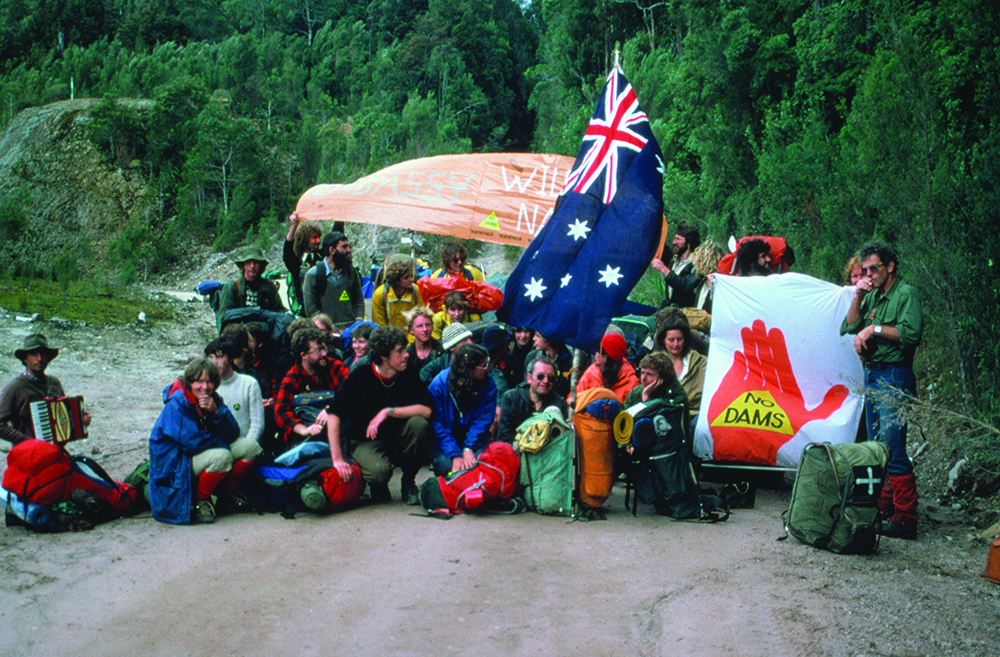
{"points": [[35, 342]]}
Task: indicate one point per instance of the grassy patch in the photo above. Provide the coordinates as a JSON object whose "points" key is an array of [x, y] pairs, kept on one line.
{"points": [[79, 301]]}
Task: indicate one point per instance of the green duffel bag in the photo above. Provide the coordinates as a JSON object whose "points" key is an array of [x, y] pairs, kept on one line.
{"points": [[835, 496]]}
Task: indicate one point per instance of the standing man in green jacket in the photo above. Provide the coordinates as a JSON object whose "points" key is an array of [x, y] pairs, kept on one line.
{"points": [[886, 317]]}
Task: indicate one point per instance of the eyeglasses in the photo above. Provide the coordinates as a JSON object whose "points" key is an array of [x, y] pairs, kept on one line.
{"points": [[321, 351], [483, 367], [458, 259], [545, 377], [871, 268]]}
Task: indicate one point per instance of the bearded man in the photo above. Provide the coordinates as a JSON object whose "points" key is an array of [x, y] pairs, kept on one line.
{"points": [[680, 277], [250, 288], [333, 286]]}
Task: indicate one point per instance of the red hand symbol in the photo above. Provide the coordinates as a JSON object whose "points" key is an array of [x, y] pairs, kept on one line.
{"points": [[758, 406]]}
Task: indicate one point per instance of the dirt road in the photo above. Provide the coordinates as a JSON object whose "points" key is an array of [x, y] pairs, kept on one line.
{"points": [[381, 581]]}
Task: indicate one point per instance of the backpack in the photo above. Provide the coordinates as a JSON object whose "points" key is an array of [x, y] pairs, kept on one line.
{"points": [[41, 475], [835, 496], [277, 486], [660, 466], [548, 476], [493, 478], [596, 409]]}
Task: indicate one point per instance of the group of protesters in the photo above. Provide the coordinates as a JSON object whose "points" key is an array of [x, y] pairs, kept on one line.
{"points": [[414, 388]]}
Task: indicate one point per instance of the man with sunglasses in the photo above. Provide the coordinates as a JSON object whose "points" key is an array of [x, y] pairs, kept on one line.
{"points": [[886, 317], [536, 394]]}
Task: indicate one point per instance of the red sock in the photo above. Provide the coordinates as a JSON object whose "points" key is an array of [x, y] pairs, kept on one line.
{"points": [[207, 483]]}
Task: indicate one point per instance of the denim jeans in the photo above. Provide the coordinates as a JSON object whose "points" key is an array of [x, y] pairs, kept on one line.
{"points": [[882, 388]]}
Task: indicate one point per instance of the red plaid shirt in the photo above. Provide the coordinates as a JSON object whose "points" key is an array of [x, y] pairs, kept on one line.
{"points": [[298, 381]]}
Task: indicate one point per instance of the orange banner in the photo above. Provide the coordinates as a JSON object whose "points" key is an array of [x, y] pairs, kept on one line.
{"points": [[491, 197]]}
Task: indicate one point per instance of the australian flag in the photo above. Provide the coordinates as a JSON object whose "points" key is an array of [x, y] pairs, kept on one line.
{"points": [[579, 269]]}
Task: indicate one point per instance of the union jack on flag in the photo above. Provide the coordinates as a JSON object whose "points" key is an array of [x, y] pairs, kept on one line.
{"points": [[578, 271], [611, 139]]}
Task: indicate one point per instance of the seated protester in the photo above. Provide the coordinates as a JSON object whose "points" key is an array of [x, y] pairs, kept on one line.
{"points": [[519, 349], [453, 258], [753, 258], [313, 371], [265, 362], [533, 395], [610, 369], [657, 380], [250, 288], [398, 295], [32, 385], [559, 354], [455, 310], [299, 253], [454, 337], [382, 415], [464, 398], [674, 338], [241, 395], [359, 345], [239, 333], [423, 347], [189, 455]]}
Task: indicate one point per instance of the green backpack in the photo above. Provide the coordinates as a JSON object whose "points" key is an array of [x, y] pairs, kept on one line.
{"points": [[548, 476], [835, 496]]}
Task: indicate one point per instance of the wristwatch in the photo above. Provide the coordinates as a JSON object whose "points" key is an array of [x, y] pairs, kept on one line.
{"points": [[878, 329]]}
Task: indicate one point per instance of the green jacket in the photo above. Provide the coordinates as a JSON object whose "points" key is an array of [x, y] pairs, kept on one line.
{"points": [[898, 307]]}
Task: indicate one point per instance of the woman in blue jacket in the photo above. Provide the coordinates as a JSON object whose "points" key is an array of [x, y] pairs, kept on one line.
{"points": [[189, 447], [465, 399]]}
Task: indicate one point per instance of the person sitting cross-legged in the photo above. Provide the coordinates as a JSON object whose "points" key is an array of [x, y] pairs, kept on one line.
{"points": [[464, 397]]}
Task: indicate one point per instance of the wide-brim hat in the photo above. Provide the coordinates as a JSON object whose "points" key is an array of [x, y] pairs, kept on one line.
{"points": [[35, 342], [247, 254]]}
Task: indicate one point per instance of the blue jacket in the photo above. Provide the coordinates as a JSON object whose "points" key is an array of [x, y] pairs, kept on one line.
{"points": [[471, 422], [179, 434]]}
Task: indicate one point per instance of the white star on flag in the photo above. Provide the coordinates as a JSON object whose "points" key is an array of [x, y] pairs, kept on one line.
{"points": [[566, 279], [610, 276], [534, 289], [578, 230]]}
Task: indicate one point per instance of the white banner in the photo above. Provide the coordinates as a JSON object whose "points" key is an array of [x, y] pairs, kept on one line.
{"points": [[780, 375]]}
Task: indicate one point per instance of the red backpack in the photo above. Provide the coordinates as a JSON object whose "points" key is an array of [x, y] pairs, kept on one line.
{"points": [[493, 478], [42, 473]]}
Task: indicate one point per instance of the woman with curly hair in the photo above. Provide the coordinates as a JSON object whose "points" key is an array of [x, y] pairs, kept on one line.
{"points": [[706, 259], [453, 258], [397, 295], [465, 399], [299, 253]]}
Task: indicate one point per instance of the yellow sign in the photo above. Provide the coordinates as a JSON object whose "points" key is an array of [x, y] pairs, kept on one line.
{"points": [[754, 410], [491, 222], [344, 296]]}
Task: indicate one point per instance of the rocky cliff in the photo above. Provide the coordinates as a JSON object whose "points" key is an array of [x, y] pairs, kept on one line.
{"points": [[58, 195]]}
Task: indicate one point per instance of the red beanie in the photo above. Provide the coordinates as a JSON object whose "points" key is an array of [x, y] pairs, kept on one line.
{"points": [[614, 346]]}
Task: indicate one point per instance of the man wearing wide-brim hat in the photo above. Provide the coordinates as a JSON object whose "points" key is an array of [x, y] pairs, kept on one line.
{"points": [[250, 288], [31, 385]]}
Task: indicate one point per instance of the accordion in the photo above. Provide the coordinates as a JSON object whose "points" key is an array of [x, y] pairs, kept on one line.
{"points": [[58, 420]]}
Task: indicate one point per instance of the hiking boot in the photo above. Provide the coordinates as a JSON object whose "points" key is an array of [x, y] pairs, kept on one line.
{"points": [[905, 531], [379, 493], [409, 491], [204, 512], [313, 496]]}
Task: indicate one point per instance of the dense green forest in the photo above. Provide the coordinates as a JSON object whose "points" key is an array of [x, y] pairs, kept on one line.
{"points": [[826, 122]]}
